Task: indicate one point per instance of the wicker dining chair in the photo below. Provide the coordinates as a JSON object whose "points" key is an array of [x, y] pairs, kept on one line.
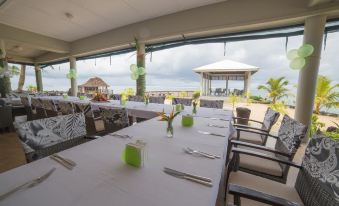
{"points": [[43, 137], [116, 96], [136, 98], [114, 118], [287, 142], [28, 107], [50, 107], [217, 104], [65, 107], [317, 183], [38, 108], [184, 101], [94, 125], [157, 100], [247, 133]]}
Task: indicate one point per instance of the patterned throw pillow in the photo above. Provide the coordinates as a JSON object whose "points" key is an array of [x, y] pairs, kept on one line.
{"points": [[271, 117]]}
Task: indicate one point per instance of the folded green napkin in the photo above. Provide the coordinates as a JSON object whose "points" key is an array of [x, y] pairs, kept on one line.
{"points": [[133, 154]]}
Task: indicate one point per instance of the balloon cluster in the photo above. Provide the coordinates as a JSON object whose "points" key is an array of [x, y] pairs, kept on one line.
{"points": [[72, 74], [298, 56], [136, 71]]}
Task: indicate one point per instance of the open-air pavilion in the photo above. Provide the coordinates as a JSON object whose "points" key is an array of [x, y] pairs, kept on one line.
{"points": [[225, 70], [106, 164]]}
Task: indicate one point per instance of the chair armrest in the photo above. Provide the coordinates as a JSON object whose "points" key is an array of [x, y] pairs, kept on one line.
{"points": [[251, 131], [251, 120], [91, 137], [240, 191], [249, 127], [265, 156], [260, 147]]}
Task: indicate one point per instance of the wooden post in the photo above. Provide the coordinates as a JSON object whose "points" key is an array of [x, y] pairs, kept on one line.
{"points": [[141, 81], [38, 78]]}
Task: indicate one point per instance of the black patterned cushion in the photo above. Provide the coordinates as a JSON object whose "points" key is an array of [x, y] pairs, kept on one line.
{"points": [[36, 103], [218, 104], [290, 134], [318, 180], [114, 118], [84, 108], [65, 107], [49, 105], [184, 101], [42, 133], [158, 100], [25, 101], [271, 117], [136, 98]]}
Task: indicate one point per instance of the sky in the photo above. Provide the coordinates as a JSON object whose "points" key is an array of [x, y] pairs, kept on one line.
{"points": [[171, 69]]}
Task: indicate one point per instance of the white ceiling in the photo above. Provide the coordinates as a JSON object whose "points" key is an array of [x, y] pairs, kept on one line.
{"points": [[90, 17]]}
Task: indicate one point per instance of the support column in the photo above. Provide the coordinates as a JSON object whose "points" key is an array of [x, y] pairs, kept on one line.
{"points": [[74, 85], [247, 82], [22, 77], [5, 81], [313, 34], [141, 81], [227, 86], [201, 83], [38, 78]]}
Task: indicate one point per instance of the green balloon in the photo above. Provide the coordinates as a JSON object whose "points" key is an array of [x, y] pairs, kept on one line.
{"points": [[292, 54], [134, 76], [141, 70], [133, 68], [305, 50], [298, 63]]}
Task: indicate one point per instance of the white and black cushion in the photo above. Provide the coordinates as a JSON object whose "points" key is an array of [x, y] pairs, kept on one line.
{"points": [[217, 104], [184, 101]]}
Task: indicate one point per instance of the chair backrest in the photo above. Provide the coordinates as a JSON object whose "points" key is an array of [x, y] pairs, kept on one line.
{"points": [[136, 98], [218, 104], [36, 103], [244, 113], [116, 96], [184, 101], [25, 101], [289, 138], [84, 108], [158, 100], [66, 107], [43, 133], [318, 180], [49, 104], [114, 118], [271, 117]]}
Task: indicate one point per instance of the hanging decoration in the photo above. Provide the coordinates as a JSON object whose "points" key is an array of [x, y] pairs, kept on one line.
{"points": [[72, 74], [136, 71], [298, 56]]}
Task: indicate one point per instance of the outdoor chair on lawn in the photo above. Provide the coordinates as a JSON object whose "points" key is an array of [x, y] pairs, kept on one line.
{"points": [[250, 158], [38, 108], [43, 137], [94, 125], [216, 104], [136, 98], [317, 183], [184, 101], [28, 107], [249, 133], [157, 100], [114, 118], [50, 107], [65, 107]]}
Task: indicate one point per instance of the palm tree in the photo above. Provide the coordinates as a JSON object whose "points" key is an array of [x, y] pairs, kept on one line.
{"points": [[276, 88], [326, 95]]}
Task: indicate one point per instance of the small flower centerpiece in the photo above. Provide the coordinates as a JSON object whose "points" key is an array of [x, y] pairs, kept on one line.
{"points": [[196, 96], [146, 98], [99, 97], [169, 119]]}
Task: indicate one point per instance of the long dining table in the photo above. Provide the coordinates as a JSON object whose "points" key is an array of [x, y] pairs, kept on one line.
{"points": [[101, 178]]}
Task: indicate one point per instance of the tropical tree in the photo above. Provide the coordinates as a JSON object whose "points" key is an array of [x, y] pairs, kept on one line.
{"points": [[326, 95], [276, 88]]}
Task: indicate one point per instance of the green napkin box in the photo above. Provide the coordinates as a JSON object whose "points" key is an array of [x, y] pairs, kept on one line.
{"points": [[133, 154], [187, 120]]}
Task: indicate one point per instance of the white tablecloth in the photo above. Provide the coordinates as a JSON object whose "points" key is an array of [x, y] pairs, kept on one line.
{"points": [[101, 178]]}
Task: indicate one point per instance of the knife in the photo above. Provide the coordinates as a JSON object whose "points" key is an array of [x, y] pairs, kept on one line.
{"points": [[187, 174], [210, 133], [218, 126], [209, 184], [28, 184], [70, 162], [63, 163]]}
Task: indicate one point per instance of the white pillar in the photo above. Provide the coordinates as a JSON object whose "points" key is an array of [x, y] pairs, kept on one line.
{"points": [[313, 34], [74, 85], [201, 83]]}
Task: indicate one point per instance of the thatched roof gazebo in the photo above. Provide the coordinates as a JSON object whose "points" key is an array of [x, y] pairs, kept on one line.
{"points": [[94, 84]]}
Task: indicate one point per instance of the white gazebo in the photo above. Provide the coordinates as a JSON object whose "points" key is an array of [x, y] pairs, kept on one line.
{"points": [[225, 70]]}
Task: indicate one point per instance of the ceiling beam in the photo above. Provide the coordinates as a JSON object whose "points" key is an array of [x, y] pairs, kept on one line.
{"points": [[34, 40], [318, 2]]}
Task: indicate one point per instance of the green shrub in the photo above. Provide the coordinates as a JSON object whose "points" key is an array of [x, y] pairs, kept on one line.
{"points": [[196, 94]]}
